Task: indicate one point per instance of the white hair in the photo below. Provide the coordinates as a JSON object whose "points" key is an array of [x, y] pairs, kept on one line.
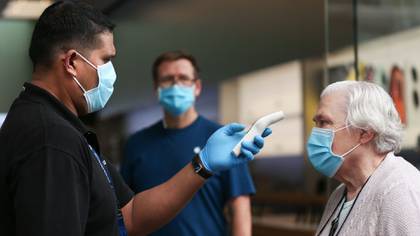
{"points": [[369, 107]]}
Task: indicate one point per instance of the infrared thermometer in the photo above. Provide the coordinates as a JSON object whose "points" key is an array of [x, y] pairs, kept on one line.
{"points": [[258, 128]]}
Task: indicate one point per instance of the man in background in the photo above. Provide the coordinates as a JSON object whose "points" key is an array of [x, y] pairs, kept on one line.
{"points": [[156, 153]]}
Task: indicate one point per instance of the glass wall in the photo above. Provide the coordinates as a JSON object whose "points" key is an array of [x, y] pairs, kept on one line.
{"points": [[383, 38]]}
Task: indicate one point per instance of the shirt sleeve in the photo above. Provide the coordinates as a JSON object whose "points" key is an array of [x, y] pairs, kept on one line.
{"points": [[123, 192], [126, 169], [239, 182], [51, 195]]}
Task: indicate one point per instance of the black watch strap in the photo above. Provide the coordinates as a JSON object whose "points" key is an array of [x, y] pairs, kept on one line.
{"points": [[199, 168]]}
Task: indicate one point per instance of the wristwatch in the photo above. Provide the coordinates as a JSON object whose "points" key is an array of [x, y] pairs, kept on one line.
{"points": [[199, 168]]}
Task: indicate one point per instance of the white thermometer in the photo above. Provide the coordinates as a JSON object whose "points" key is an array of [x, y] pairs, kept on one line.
{"points": [[258, 128]]}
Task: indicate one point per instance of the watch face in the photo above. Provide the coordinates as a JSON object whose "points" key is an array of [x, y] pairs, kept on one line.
{"points": [[196, 165], [197, 168]]}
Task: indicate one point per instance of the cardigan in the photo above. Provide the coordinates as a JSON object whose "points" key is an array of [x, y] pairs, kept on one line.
{"points": [[388, 204]]}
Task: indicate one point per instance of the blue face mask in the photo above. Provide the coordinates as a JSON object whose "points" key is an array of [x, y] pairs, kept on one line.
{"points": [[96, 98], [176, 99], [320, 153]]}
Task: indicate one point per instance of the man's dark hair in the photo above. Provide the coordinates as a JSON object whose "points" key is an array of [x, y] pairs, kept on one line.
{"points": [[174, 56], [65, 25]]}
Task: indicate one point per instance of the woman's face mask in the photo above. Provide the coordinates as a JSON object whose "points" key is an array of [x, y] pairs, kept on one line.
{"points": [[320, 153]]}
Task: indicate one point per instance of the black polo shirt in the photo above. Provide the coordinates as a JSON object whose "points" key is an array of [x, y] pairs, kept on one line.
{"points": [[50, 182]]}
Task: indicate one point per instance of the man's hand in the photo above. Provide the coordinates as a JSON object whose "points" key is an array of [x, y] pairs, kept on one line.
{"points": [[156, 206], [217, 155]]}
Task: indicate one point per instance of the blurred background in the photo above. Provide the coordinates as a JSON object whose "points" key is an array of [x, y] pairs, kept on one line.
{"points": [[256, 57]]}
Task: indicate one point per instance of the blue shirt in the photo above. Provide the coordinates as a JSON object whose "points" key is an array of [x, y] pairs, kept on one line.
{"points": [[155, 154]]}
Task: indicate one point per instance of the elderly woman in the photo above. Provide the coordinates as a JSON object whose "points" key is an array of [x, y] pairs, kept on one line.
{"points": [[357, 132]]}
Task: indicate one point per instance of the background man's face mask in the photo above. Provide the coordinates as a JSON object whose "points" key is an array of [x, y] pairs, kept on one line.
{"points": [[176, 99], [97, 97], [320, 153]]}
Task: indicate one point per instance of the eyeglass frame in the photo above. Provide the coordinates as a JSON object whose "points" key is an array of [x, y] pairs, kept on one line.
{"points": [[172, 80]]}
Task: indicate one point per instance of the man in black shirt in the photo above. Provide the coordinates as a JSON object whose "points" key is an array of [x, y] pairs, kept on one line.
{"points": [[52, 175]]}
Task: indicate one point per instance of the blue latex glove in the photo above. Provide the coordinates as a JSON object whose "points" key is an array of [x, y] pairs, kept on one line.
{"points": [[218, 154]]}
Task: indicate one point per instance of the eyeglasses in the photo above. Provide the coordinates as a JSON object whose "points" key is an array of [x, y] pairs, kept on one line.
{"points": [[170, 80]]}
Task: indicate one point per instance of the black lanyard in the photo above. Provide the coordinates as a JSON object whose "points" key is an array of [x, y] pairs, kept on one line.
{"points": [[103, 164], [335, 209], [334, 223]]}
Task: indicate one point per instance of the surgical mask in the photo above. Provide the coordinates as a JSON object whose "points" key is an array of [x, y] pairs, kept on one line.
{"points": [[97, 97], [176, 99], [320, 153]]}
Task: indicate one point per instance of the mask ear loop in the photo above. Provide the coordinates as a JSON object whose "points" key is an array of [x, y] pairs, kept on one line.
{"points": [[78, 83], [87, 61], [353, 148], [159, 91], [339, 129]]}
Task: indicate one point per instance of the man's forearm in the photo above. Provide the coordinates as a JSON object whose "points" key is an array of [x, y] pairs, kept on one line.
{"points": [[241, 216], [155, 207]]}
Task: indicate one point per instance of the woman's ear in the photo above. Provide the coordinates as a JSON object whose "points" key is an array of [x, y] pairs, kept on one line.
{"points": [[366, 136]]}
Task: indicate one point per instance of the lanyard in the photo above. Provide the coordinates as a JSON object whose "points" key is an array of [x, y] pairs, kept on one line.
{"points": [[339, 203], [336, 221], [103, 164]]}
